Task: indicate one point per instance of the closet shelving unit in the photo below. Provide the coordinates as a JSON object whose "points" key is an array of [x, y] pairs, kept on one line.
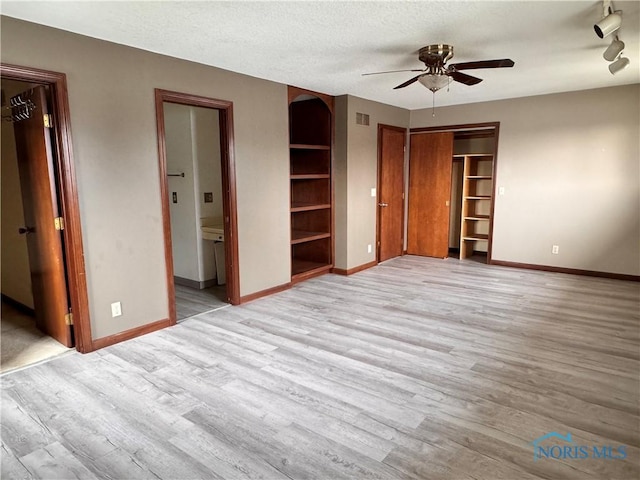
{"points": [[477, 191], [310, 152]]}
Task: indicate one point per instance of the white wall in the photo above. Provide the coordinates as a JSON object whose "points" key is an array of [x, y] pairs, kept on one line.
{"points": [[206, 140], [16, 275], [193, 147], [184, 218], [570, 166]]}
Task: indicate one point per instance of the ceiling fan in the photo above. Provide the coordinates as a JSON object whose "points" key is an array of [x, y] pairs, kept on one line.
{"points": [[437, 74]]}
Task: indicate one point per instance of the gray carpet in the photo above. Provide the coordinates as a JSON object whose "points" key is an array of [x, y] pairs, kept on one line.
{"points": [[22, 343]]}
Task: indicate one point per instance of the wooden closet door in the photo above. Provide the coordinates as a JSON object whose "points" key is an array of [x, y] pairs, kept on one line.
{"points": [[39, 198], [430, 165]]}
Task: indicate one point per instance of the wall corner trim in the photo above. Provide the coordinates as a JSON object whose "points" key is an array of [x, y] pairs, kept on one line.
{"points": [[571, 271], [351, 271], [129, 334], [264, 293]]}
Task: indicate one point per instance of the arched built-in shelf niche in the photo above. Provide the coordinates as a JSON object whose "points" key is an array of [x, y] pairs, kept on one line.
{"points": [[310, 144]]}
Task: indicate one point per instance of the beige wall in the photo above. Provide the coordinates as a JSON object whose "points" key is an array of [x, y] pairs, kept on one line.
{"points": [[16, 276], [358, 228], [114, 139], [340, 186], [570, 166]]}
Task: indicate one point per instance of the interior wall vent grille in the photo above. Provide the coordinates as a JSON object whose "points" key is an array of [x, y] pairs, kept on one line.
{"points": [[362, 118]]}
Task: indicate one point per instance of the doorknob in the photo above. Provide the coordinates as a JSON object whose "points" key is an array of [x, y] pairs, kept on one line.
{"points": [[25, 230], [383, 204]]}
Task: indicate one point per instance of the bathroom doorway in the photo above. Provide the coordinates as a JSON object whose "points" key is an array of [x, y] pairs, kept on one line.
{"points": [[198, 203]]}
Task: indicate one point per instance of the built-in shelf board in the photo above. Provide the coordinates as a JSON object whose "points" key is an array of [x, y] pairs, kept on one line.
{"points": [[477, 217], [304, 146], [479, 177], [301, 236], [302, 269], [479, 197], [306, 207], [310, 176]]}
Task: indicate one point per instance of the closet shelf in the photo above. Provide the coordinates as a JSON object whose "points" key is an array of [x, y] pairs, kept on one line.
{"points": [[478, 197], [479, 177], [475, 237], [477, 217]]}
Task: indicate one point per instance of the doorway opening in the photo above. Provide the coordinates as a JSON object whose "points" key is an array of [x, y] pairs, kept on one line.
{"points": [[452, 191], [44, 300], [195, 147]]}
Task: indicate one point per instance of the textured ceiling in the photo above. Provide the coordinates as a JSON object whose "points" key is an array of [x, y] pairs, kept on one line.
{"points": [[326, 46]]}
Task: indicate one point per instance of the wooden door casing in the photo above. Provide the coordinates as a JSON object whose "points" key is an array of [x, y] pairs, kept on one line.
{"points": [[430, 165], [391, 150], [40, 203]]}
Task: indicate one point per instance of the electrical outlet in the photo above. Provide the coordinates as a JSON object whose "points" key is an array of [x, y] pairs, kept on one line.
{"points": [[373, 192], [555, 249], [500, 190], [369, 248], [116, 309]]}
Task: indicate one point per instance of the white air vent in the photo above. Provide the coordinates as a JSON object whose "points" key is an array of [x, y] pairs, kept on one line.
{"points": [[362, 118]]}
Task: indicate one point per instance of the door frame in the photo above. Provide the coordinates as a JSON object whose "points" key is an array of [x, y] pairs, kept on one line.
{"points": [[225, 108], [68, 195], [466, 128], [382, 126]]}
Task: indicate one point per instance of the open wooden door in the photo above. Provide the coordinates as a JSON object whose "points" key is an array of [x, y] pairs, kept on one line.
{"points": [[429, 194], [390, 191], [41, 213]]}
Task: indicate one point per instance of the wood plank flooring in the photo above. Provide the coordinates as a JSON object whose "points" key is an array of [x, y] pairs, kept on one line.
{"points": [[415, 369], [192, 301]]}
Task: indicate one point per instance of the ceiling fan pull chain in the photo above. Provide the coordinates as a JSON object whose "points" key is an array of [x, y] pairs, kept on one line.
{"points": [[433, 105]]}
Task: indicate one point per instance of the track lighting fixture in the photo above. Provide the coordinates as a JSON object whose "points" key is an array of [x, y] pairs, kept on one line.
{"points": [[613, 50], [608, 24], [611, 22], [620, 64]]}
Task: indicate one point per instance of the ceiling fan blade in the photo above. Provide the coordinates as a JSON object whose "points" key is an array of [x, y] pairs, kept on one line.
{"points": [[409, 82], [464, 78], [502, 63], [393, 71]]}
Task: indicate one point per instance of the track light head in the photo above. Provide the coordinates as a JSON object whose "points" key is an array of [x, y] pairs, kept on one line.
{"points": [[608, 24], [613, 50], [619, 65]]}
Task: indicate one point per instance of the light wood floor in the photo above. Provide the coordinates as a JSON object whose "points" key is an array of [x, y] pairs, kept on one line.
{"points": [[192, 301], [417, 368]]}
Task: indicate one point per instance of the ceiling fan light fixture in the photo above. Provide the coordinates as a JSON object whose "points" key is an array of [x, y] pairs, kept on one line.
{"points": [[608, 24], [434, 82], [613, 50], [619, 65]]}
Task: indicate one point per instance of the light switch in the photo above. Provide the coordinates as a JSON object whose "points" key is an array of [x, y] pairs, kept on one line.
{"points": [[175, 197], [500, 190], [373, 192]]}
